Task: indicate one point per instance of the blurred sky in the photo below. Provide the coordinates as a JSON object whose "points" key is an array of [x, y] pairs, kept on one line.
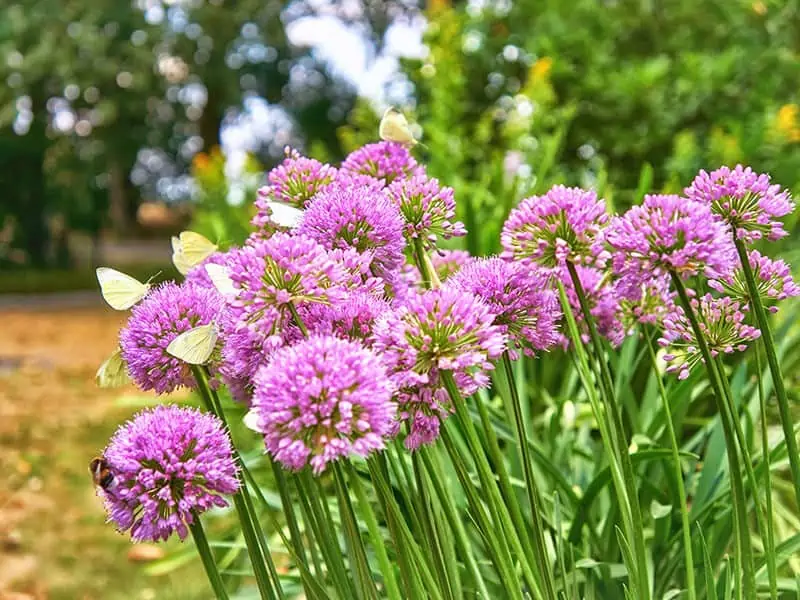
{"points": [[348, 55]]}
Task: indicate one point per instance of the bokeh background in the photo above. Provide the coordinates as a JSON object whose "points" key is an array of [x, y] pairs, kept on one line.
{"points": [[124, 122]]}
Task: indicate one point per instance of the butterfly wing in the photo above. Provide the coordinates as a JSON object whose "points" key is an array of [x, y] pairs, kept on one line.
{"points": [[112, 373], [221, 279], [284, 215], [195, 247], [394, 128], [196, 345], [121, 291]]}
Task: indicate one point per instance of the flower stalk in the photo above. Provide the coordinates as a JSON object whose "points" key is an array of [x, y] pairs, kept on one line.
{"points": [[774, 367]]}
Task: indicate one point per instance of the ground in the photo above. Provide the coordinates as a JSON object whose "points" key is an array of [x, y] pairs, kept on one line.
{"points": [[54, 542]]}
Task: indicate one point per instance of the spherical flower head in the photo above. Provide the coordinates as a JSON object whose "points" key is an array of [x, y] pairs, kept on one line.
{"points": [[669, 233], [563, 225], [429, 210], [745, 200], [439, 330], [169, 464], [643, 301], [298, 178], [166, 312], [723, 327], [351, 319], [603, 303], [199, 275], [383, 160], [360, 218], [269, 274], [773, 280], [525, 306], [323, 399]]}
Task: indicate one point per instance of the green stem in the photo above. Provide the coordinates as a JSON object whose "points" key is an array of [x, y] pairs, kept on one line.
{"points": [[454, 519], [207, 557], [246, 520], [430, 278], [769, 542], [737, 483], [746, 458], [618, 432], [487, 478], [774, 366], [392, 591], [530, 480], [353, 539], [297, 320], [495, 540], [408, 543], [676, 463], [533, 551]]}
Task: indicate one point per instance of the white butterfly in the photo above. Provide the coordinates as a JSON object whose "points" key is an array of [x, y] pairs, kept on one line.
{"points": [[121, 291], [112, 373], [250, 421], [394, 127], [196, 345], [284, 215], [221, 279], [189, 249]]}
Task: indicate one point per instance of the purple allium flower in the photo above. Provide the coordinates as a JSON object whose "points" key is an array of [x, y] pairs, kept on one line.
{"points": [[564, 224], [603, 303], [359, 218], [268, 275], [525, 307], [440, 330], [165, 313], [169, 465], [773, 279], [670, 233], [429, 209], [297, 179], [745, 200], [643, 302], [722, 323], [323, 399], [382, 160], [351, 319]]}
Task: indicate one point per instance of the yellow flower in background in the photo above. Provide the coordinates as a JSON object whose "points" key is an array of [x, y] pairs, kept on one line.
{"points": [[541, 68], [200, 162], [786, 122], [759, 8]]}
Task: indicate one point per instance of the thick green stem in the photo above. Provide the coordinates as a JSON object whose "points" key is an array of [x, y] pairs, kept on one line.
{"points": [[774, 367], [430, 278], [769, 541], [676, 463], [748, 585], [487, 479], [531, 487], [246, 519], [392, 591], [207, 557], [618, 432], [297, 320]]}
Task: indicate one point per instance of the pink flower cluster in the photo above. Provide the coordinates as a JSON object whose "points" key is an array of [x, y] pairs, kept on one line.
{"points": [[337, 342]]}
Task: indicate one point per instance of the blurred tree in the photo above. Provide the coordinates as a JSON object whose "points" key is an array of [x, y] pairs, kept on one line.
{"points": [[104, 97]]}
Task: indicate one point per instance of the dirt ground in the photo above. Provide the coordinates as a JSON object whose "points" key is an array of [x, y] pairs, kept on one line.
{"points": [[54, 542]]}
